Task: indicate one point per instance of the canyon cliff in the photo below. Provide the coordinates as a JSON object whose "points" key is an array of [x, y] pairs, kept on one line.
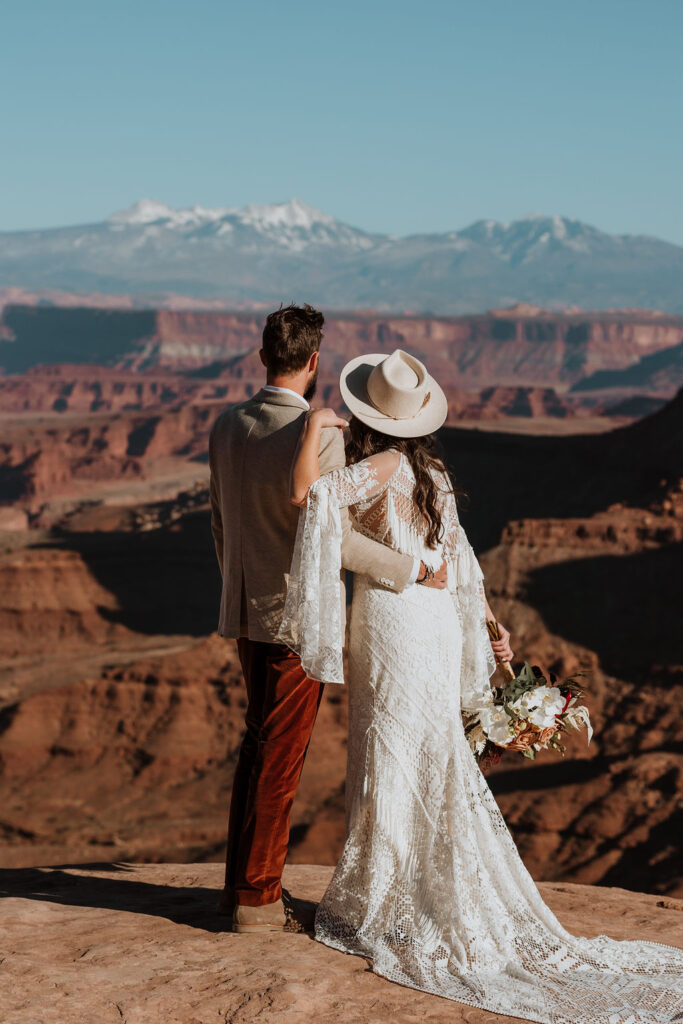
{"points": [[524, 345], [121, 710], [103, 395]]}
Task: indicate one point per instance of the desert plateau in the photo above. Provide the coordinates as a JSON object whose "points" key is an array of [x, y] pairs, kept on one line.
{"points": [[142, 942]]}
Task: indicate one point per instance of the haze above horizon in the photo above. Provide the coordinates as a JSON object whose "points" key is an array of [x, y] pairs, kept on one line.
{"points": [[394, 117]]}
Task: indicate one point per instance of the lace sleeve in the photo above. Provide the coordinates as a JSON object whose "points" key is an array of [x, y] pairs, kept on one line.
{"points": [[312, 621], [362, 480], [466, 584]]}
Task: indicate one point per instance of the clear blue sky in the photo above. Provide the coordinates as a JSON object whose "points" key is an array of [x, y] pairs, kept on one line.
{"points": [[392, 116]]}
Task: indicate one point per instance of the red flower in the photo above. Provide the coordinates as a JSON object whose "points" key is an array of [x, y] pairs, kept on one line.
{"points": [[566, 705]]}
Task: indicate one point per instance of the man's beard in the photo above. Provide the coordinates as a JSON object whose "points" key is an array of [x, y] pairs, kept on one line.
{"points": [[309, 393]]}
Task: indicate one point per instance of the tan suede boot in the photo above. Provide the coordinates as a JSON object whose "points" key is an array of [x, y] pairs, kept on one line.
{"points": [[269, 918]]}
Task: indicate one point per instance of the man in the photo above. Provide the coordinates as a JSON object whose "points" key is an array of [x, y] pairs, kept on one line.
{"points": [[251, 448]]}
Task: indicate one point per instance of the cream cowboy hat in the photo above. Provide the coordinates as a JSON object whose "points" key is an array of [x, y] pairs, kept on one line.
{"points": [[393, 394]]}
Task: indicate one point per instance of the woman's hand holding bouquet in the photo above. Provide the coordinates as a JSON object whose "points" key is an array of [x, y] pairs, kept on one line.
{"points": [[527, 714]]}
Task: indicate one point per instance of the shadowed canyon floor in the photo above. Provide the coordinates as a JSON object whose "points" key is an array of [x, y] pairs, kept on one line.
{"points": [[124, 943]]}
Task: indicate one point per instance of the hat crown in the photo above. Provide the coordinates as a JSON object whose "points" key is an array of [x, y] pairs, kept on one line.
{"points": [[397, 386], [393, 394]]}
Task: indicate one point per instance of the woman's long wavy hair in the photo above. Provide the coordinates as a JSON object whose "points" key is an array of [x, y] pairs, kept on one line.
{"points": [[424, 456]]}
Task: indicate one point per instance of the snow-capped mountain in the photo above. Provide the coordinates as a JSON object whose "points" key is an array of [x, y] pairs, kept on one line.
{"points": [[291, 214], [282, 251], [532, 236], [294, 225]]}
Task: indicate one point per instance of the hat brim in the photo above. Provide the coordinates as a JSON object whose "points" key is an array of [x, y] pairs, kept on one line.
{"points": [[353, 382]]}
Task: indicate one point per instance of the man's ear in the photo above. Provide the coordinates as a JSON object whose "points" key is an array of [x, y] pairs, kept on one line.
{"points": [[262, 357], [313, 362]]}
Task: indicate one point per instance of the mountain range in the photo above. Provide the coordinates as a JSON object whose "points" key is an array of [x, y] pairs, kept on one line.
{"points": [[265, 254]]}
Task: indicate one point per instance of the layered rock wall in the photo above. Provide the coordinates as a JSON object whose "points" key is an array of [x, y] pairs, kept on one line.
{"points": [[505, 347]]}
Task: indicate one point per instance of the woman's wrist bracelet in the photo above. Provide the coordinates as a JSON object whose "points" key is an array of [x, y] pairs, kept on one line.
{"points": [[428, 575]]}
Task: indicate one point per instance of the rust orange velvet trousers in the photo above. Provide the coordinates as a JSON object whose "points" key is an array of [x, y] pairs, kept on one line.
{"points": [[281, 711]]}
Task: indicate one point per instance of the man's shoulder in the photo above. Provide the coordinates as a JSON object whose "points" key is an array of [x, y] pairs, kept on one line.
{"points": [[254, 417], [233, 413]]}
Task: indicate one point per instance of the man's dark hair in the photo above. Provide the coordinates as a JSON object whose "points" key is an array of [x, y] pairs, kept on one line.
{"points": [[290, 338]]}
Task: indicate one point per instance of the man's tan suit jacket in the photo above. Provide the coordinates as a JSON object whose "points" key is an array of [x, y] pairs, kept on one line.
{"points": [[251, 449]]}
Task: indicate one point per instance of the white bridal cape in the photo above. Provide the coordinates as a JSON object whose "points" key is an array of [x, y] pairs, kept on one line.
{"points": [[430, 885]]}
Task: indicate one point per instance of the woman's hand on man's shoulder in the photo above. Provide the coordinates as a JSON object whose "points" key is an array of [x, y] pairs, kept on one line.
{"points": [[319, 418]]}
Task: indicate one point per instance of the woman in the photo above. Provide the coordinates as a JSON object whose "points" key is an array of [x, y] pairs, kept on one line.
{"points": [[430, 885]]}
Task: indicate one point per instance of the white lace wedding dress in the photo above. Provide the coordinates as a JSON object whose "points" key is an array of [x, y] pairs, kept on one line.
{"points": [[430, 885]]}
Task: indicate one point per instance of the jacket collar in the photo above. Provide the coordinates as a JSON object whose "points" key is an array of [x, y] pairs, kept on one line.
{"points": [[278, 398]]}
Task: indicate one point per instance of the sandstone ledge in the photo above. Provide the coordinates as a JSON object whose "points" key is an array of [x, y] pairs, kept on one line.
{"points": [[142, 944]]}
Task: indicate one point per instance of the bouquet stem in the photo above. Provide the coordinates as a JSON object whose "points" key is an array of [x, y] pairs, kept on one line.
{"points": [[507, 668]]}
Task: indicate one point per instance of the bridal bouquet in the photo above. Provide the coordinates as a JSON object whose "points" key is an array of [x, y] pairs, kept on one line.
{"points": [[529, 713]]}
